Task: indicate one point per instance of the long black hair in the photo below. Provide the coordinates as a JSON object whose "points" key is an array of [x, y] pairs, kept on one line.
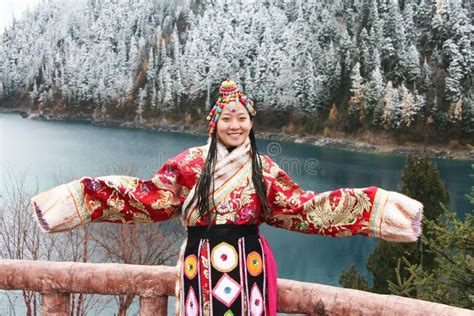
{"points": [[206, 180]]}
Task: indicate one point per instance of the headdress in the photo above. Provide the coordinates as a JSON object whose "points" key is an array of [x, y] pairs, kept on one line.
{"points": [[229, 93]]}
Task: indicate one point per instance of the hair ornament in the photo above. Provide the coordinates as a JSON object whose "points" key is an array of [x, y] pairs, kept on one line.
{"points": [[229, 93]]}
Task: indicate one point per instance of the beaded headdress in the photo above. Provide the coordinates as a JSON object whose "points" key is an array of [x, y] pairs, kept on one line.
{"points": [[229, 93]]}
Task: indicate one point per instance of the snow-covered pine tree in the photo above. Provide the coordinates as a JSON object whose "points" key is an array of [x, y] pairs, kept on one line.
{"points": [[373, 107], [407, 106], [358, 91]]}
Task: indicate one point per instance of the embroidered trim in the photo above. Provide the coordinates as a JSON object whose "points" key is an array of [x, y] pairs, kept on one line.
{"points": [[264, 261], [199, 276], [377, 212], [241, 272], [76, 191]]}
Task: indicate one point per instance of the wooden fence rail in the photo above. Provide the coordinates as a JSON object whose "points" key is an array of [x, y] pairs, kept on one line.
{"points": [[153, 284]]}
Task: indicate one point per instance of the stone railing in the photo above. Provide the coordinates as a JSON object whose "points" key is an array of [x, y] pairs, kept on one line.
{"points": [[153, 284]]}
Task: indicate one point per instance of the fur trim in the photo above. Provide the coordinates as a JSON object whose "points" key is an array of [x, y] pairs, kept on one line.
{"points": [[55, 210], [402, 218]]}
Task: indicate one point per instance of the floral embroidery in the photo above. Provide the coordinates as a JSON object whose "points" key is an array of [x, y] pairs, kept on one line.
{"points": [[123, 199], [140, 218], [115, 202], [165, 201], [94, 204], [324, 214], [112, 215], [138, 205]]}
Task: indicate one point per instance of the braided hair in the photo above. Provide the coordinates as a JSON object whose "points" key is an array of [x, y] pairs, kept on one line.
{"points": [[206, 180]]}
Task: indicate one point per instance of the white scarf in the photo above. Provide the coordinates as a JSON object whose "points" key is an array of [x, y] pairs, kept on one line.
{"points": [[227, 164]]}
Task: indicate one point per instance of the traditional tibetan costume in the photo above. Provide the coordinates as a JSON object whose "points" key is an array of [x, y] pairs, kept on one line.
{"points": [[227, 269]]}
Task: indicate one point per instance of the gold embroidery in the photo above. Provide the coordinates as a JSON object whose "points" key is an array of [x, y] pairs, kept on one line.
{"points": [[129, 182], [166, 201], [138, 205], [229, 207], [158, 182], [223, 218], [323, 215], [343, 233], [111, 215], [184, 192], [140, 218], [94, 204], [115, 202], [283, 202], [284, 183], [192, 154], [280, 200], [265, 164], [286, 219], [294, 202], [116, 182]]}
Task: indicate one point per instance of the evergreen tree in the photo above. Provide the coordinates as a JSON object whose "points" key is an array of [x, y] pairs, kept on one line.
{"points": [[394, 48], [420, 104], [425, 76], [352, 278], [451, 280], [467, 122], [422, 19], [396, 112], [364, 53], [358, 90], [373, 108], [408, 106], [420, 181], [96, 54], [455, 71], [410, 64]]}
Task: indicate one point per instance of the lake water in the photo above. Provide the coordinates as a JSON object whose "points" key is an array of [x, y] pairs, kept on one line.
{"points": [[48, 149]]}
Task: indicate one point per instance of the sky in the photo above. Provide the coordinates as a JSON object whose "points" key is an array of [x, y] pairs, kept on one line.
{"points": [[8, 8]]}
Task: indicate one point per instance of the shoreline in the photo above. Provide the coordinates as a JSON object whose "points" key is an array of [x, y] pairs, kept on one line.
{"points": [[385, 145]]}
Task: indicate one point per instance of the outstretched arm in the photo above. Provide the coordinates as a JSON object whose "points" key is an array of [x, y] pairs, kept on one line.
{"points": [[344, 212], [117, 199]]}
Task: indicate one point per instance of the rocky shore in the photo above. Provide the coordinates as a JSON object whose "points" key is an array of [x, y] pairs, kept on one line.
{"points": [[381, 144]]}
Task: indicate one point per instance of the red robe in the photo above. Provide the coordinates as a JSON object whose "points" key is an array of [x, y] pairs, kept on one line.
{"points": [[121, 199]]}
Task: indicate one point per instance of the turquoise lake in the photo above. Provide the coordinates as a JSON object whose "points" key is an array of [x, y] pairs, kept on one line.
{"points": [[45, 149]]}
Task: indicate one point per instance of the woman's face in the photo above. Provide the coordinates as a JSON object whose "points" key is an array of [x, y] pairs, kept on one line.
{"points": [[234, 125]]}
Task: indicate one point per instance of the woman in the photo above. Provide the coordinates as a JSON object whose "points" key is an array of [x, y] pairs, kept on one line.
{"points": [[224, 191]]}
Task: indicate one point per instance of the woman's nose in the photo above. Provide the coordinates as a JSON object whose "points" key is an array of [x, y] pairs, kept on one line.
{"points": [[234, 124]]}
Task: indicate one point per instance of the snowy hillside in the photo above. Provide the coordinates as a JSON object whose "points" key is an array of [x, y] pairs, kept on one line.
{"points": [[347, 65]]}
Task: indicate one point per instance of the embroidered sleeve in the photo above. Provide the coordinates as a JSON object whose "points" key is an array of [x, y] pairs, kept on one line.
{"points": [[117, 199], [344, 212]]}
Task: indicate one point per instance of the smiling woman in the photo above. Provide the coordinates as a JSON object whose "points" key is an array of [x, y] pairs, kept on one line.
{"points": [[234, 125], [224, 190]]}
